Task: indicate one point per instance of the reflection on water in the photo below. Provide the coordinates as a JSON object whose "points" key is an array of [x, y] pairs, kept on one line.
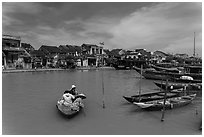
{"points": [[29, 99]]}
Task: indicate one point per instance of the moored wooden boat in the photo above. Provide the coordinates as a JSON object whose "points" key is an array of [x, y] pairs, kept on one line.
{"points": [[155, 76], [172, 70], [149, 96], [170, 103], [169, 86], [186, 80], [173, 86], [72, 109], [160, 75]]}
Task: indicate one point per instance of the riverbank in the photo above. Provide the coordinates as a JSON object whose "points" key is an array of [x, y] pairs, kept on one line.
{"points": [[51, 69]]}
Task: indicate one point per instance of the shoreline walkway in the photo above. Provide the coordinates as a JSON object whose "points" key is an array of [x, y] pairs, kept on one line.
{"points": [[52, 69]]}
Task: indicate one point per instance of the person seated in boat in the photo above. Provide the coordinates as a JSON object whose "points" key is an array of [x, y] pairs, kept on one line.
{"points": [[72, 93], [68, 98], [72, 98], [72, 90], [78, 97]]}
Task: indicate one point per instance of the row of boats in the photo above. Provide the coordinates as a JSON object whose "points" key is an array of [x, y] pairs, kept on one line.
{"points": [[171, 95]]}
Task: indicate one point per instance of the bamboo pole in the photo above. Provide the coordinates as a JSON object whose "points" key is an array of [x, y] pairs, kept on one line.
{"points": [[140, 83], [163, 110], [103, 91]]}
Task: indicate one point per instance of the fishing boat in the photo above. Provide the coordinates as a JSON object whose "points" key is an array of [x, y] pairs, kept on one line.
{"points": [[170, 103], [186, 80], [151, 73], [173, 86], [149, 96], [172, 70], [72, 109]]}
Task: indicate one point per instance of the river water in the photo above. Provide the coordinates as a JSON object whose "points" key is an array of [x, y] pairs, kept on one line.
{"points": [[29, 99]]}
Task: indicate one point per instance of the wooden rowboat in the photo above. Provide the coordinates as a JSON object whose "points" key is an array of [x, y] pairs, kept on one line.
{"points": [[170, 103], [149, 96], [72, 109], [173, 86]]}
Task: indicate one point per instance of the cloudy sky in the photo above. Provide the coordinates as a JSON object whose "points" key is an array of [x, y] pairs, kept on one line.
{"points": [[168, 27]]}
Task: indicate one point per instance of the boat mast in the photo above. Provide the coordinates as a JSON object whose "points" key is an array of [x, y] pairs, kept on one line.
{"points": [[194, 46]]}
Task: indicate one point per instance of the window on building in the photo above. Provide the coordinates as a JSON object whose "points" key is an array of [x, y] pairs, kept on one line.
{"points": [[97, 51], [93, 52]]}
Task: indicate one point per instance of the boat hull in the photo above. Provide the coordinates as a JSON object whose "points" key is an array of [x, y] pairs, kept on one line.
{"points": [[171, 103], [173, 86], [149, 97], [170, 86], [161, 75], [67, 110], [71, 109]]}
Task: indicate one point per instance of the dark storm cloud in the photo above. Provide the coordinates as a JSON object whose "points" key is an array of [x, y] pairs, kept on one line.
{"points": [[154, 26]]}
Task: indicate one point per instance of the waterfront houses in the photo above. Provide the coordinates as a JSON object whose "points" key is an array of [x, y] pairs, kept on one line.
{"points": [[158, 56], [39, 59], [92, 55], [17, 55], [14, 56]]}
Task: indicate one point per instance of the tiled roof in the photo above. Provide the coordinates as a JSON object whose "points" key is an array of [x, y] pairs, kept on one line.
{"points": [[25, 45], [51, 49], [37, 53], [70, 48], [86, 47], [115, 52], [160, 52]]}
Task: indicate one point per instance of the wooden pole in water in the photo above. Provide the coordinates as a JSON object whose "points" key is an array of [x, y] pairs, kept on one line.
{"points": [[103, 91], [140, 82], [194, 46], [163, 110]]}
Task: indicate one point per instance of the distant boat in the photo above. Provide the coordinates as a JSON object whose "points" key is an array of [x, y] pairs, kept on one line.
{"points": [[149, 96], [186, 80], [73, 109], [170, 86], [172, 70], [170, 103], [161, 75], [173, 86]]}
